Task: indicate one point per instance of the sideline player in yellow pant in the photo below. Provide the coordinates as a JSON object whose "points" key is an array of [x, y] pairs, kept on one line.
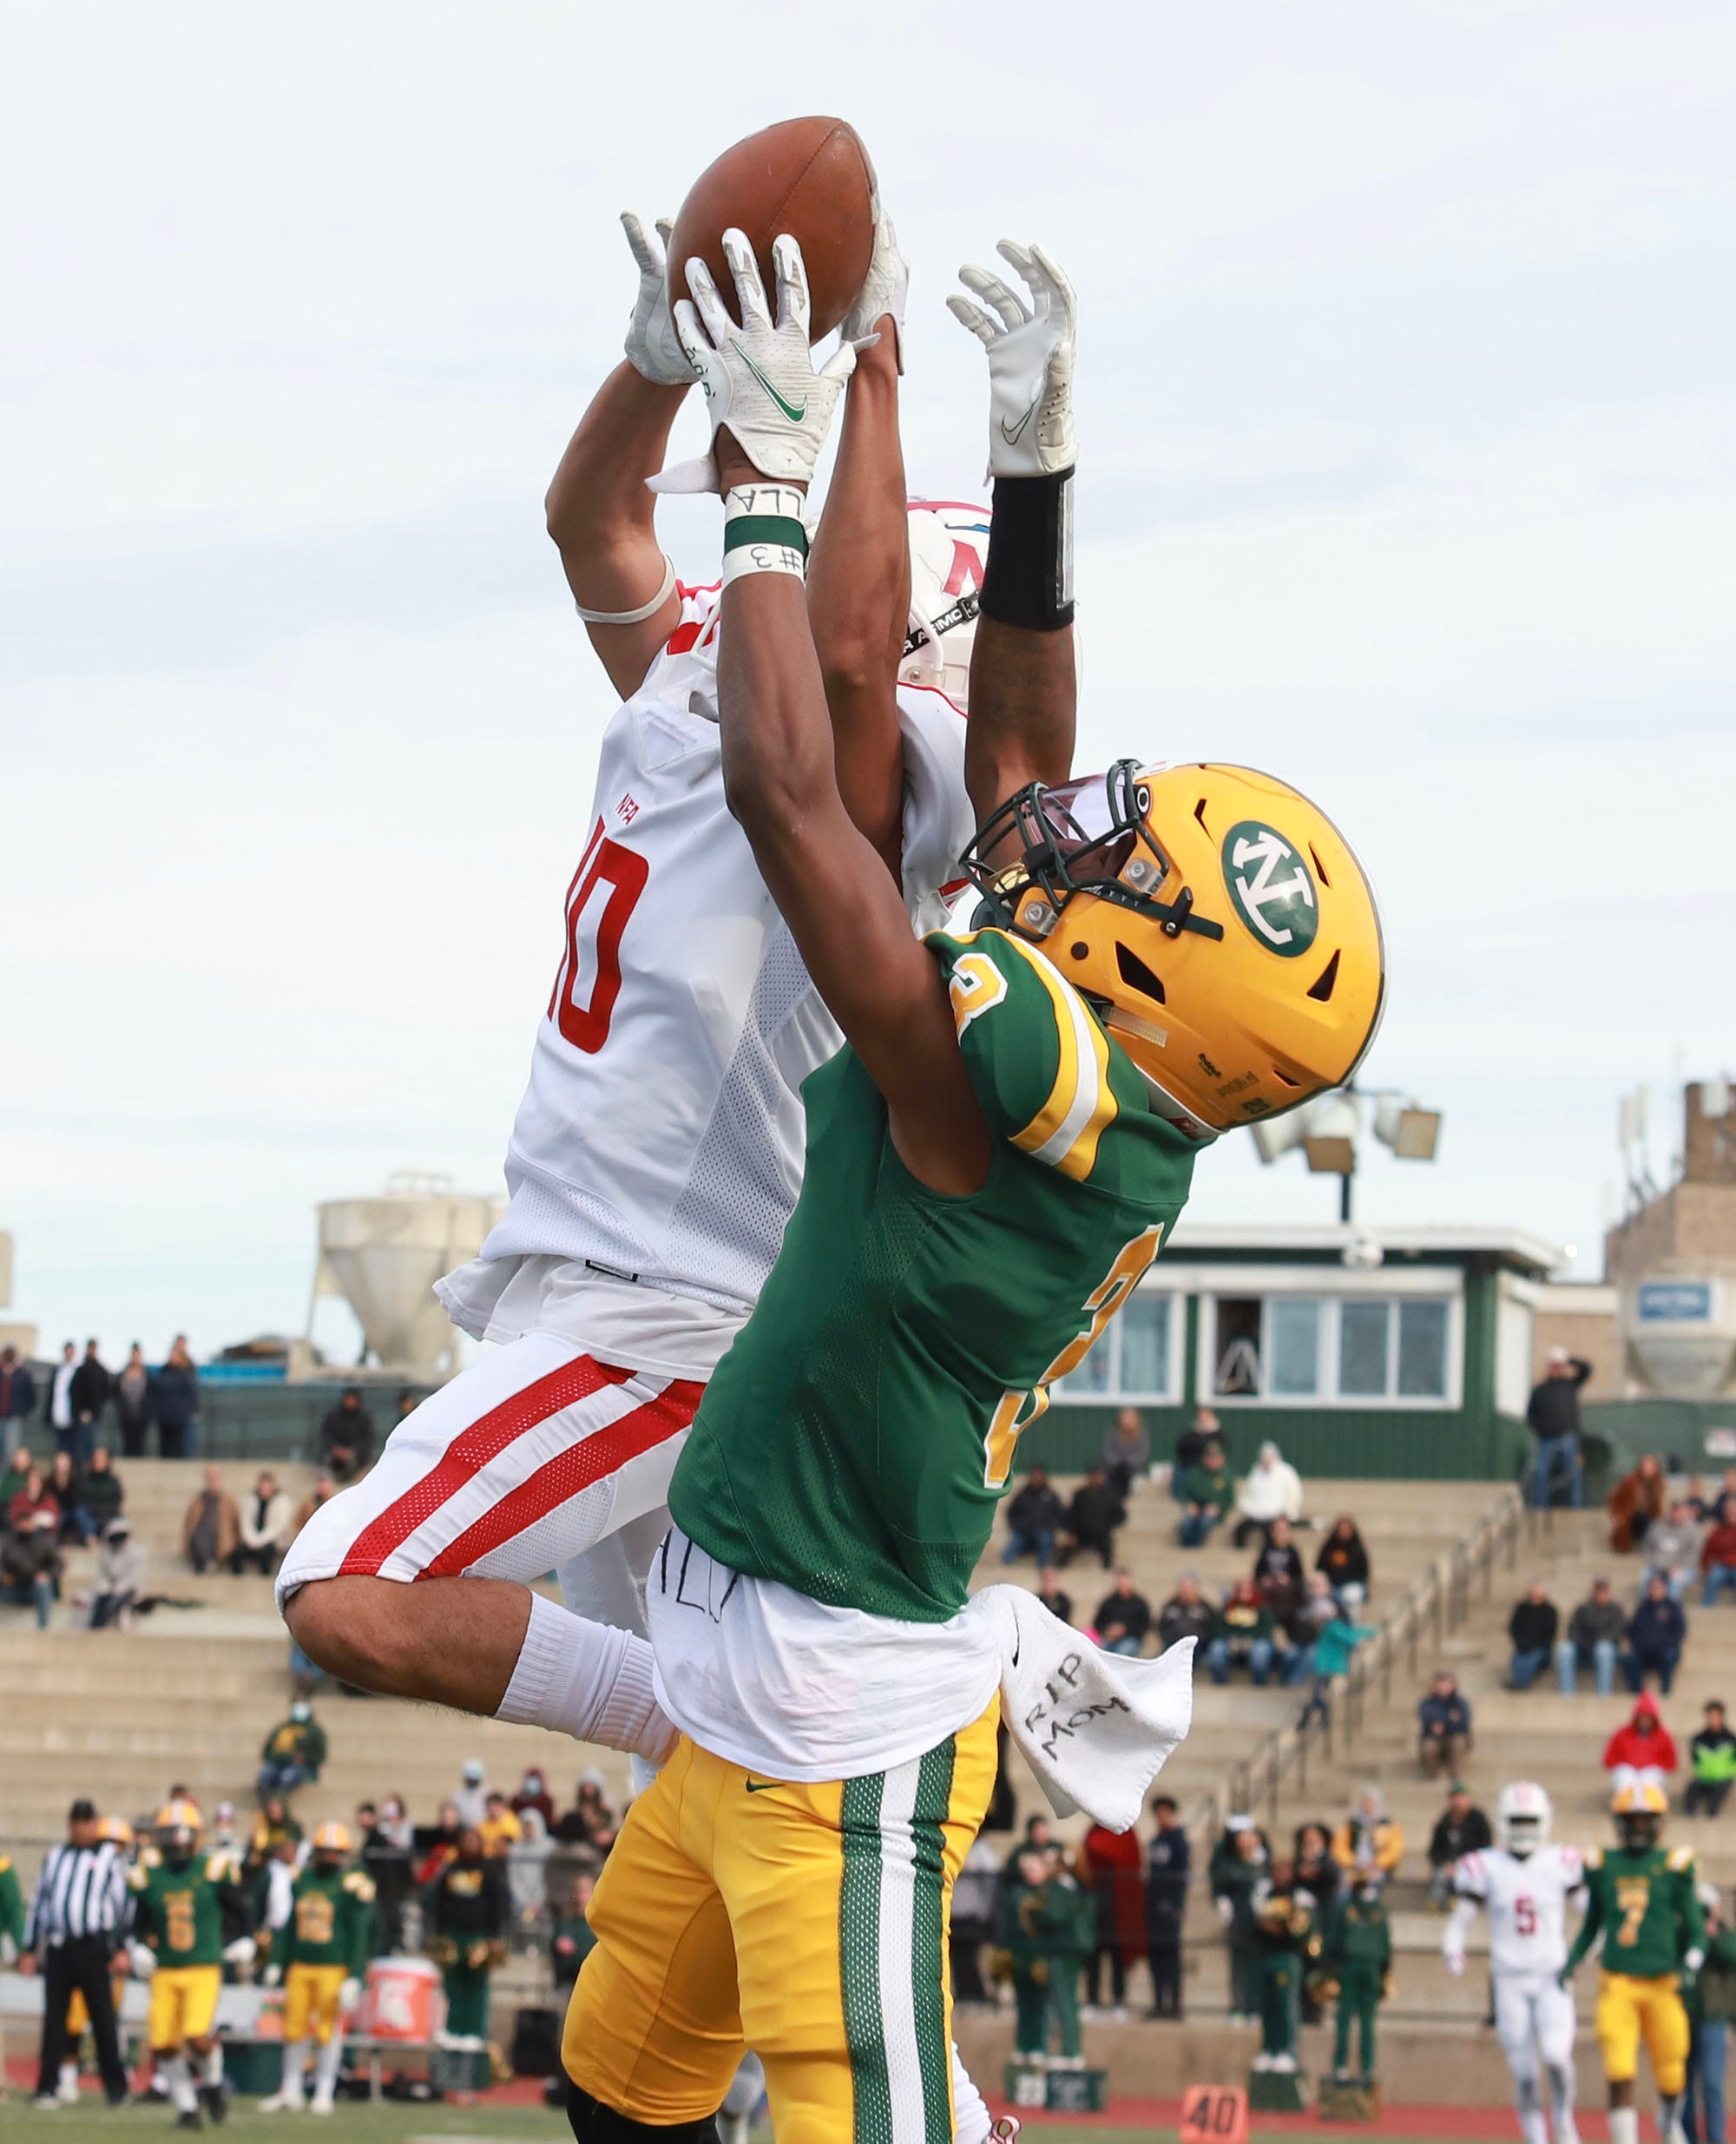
{"points": [[320, 1954], [178, 1900]]}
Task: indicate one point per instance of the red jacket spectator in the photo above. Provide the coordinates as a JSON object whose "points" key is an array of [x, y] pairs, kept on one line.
{"points": [[34, 1497], [1720, 1545], [1112, 1862], [1630, 1744]]}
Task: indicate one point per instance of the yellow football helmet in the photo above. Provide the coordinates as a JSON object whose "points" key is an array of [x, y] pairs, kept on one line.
{"points": [[1219, 917], [331, 1838], [177, 1826], [1639, 1809], [117, 1832]]}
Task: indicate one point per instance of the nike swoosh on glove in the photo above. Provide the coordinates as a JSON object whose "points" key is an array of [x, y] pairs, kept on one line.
{"points": [[1030, 342], [759, 378]]}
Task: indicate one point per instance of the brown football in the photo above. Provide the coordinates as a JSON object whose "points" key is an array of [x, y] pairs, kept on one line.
{"points": [[810, 177]]}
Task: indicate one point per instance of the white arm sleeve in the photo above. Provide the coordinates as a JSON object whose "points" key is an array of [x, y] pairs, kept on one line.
{"points": [[1457, 1927]]}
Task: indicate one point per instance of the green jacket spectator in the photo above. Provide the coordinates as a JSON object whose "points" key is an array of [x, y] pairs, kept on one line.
{"points": [[1711, 1993], [102, 1493], [1711, 1760], [1207, 1496]]}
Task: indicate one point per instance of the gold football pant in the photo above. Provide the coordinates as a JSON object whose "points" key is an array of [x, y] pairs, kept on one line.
{"points": [[1629, 2010], [310, 2002], [183, 2004], [809, 1922]]}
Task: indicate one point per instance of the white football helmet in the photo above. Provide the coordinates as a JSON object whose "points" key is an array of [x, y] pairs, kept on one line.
{"points": [[949, 550], [1523, 1817]]}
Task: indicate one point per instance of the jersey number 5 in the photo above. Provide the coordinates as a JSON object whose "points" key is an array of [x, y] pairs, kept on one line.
{"points": [[605, 889], [1524, 1917]]}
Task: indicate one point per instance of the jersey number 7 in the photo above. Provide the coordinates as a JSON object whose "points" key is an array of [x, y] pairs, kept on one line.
{"points": [[605, 889]]}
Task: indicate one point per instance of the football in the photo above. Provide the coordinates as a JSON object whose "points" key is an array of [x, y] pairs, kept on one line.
{"points": [[810, 177]]}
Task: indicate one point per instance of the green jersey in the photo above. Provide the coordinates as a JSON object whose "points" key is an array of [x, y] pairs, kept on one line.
{"points": [[178, 1907], [1647, 1907], [330, 1918], [855, 1439]]}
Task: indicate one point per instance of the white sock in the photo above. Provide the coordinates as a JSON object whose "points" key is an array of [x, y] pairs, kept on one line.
{"points": [[1532, 2123], [68, 2076], [295, 2061], [325, 2064], [1624, 2125], [969, 2115], [213, 2063], [581, 1679], [179, 2081], [1669, 2115]]}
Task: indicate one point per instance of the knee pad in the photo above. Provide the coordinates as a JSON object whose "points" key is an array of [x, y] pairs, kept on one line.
{"points": [[594, 2123], [1526, 2096]]}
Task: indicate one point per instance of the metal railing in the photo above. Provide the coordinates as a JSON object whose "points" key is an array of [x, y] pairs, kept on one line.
{"points": [[1437, 1604]]}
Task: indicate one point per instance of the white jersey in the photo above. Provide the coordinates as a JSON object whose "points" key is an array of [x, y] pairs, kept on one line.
{"points": [[1526, 1903], [659, 1141]]}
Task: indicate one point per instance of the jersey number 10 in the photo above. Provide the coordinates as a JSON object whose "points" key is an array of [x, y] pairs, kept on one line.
{"points": [[605, 889]]}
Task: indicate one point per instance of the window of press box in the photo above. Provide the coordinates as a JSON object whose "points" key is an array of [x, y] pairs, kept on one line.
{"points": [[1134, 1357], [1332, 1348]]}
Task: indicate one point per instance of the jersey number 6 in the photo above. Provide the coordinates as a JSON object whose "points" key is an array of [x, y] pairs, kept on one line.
{"points": [[605, 889]]}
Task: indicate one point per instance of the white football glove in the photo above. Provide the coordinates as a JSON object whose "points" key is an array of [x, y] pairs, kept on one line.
{"points": [[887, 290], [272, 1975], [143, 1960], [653, 350], [242, 1951], [759, 378], [1030, 345], [349, 1994]]}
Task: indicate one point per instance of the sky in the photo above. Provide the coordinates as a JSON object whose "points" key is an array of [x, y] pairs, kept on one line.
{"points": [[1408, 470]]}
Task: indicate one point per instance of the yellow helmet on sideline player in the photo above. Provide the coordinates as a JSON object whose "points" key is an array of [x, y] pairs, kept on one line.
{"points": [[117, 1832], [1639, 1809], [1220, 917], [177, 1828], [331, 1837]]}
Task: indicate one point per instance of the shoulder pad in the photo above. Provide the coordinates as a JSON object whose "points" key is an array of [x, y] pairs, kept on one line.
{"points": [[1594, 1858], [136, 1879], [219, 1868], [359, 1885], [1681, 1859], [149, 1858], [5, 1862]]}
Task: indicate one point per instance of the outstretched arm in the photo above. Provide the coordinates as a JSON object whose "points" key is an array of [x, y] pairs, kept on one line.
{"points": [[779, 767], [1023, 680], [600, 513], [860, 567]]}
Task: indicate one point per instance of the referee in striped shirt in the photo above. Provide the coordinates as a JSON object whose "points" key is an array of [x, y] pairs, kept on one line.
{"points": [[77, 1919]]}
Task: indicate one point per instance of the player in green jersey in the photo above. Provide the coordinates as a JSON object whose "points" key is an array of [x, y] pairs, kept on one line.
{"points": [[991, 1165], [320, 1954], [178, 1901], [1644, 1903]]}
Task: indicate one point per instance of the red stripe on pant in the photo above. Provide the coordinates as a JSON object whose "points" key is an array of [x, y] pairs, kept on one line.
{"points": [[468, 1454], [602, 1453]]}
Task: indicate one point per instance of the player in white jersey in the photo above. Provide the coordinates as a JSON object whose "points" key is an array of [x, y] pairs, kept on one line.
{"points": [[658, 1150], [1524, 1885]]}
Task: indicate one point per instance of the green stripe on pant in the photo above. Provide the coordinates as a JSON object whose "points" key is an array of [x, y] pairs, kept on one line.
{"points": [[858, 1952]]}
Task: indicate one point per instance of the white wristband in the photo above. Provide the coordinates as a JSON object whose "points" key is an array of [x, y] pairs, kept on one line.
{"points": [[665, 588], [763, 531]]}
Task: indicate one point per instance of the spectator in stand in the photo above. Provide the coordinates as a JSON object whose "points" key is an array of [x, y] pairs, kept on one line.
{"points": [[570, 1938], [1092, 1516], [90, 1390], [1444, 1726], [533, 1793], [173, 1402], [292, 1754], [1206, 1496], [1636, 1501], [323, 1491], [1241, 1636], [18, 1471], [212, 1525], [1594, 1634], [1187, 1614], [1712, 1755], [131, 1403], [1126, 1453], [1306, 1626], [346, 1437], [1168, 1864], [1191, 1446], [1345, 1561], [1641, 1750], [386, 1839], [1460, 1828], [527, 1868], [469, 1914], [264, 1527], [121, 1567], [31, 1567], [590, 1821], [1236, 1878], [101, 1491], [1656, 1632], [1034, 1517], [1553, 1413], [17, 1400], [1109, 1869], [1368, 1842], [499, 1828], [975, 1896], [1048, 1592], [1316, 1870], [57, 1415], [471, 1798], [1717, 1553], [1671, 1546], [64, 1486], [1123, 1617], [1270, 1490], [443, 1849], [1532, 1628], [29, 1501], [1278, 1570]]}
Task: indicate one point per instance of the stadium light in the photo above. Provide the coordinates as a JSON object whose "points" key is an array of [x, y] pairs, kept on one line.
{"points": [[1329, 1129]]}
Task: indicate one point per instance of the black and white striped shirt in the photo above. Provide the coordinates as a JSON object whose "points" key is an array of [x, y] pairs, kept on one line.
{"points": [[81, 1892]]}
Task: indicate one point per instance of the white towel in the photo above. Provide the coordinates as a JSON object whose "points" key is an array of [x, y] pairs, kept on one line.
{"points": [[1096, 1727]]}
